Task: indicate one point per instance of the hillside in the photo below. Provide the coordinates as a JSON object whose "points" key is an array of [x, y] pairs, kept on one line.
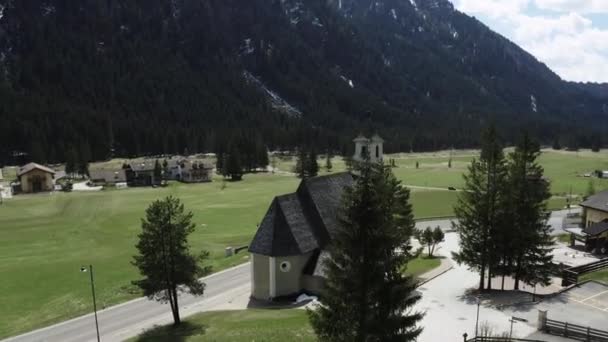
{"points": [[144, 77]]}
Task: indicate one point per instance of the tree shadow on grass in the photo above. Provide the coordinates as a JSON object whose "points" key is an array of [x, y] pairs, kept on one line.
{"points": [[172, 333]]}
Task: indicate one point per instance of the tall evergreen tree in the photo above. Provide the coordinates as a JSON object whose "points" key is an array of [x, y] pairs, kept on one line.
{"points": [[301, 168], [528, 196], [164, 258], [71, 161], [480, 208], [313, 165], [158, 171], [328, 165], [368, 297], [234, 168]]}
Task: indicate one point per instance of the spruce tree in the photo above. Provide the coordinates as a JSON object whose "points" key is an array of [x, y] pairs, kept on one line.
{"points": [[480, 209], [528, 196], [328, 165], [313, 165], [301, 168], [158, 172], [234, 167], [368, 297]]}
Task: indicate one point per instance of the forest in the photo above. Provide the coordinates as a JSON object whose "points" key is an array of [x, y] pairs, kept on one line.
{"points": [[131, 78]]}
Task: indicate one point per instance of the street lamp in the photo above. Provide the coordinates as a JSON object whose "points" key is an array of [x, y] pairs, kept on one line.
{"points": [[90, 269], [477, 319]]}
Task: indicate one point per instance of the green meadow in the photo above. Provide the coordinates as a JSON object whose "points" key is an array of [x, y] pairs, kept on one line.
{"points": [[238, 326], [45, 238]]}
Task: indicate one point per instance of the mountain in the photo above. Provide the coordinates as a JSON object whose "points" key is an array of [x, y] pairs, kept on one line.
{"points": [[129, 77]]}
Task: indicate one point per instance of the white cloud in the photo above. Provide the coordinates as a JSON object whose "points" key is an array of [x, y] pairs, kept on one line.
{"points": [[568, 42], [580, 6]]}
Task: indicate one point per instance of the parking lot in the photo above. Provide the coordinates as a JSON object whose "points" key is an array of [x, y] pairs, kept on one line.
{"points": [[592, 294], [585, 305]]}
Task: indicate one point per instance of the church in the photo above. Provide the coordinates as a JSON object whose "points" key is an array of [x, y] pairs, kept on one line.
{"points": [[290, 245]]}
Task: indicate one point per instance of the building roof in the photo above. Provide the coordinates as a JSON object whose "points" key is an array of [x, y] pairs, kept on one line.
{"points": [[33, 166], [303, 221], [116, 175], [598, 201], [143, 166], [596, 228]]}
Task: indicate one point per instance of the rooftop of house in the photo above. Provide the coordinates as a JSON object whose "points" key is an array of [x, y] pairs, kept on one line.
{"points": [[596, 228], [598, 201], [302, 221], [33, 166]]}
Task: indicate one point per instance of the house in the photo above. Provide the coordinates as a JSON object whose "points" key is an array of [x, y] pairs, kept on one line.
{"points": [[595, 214], [195, 172], [108, 176], [141, 174], [36, 178], [372, 147], [291, 244]]}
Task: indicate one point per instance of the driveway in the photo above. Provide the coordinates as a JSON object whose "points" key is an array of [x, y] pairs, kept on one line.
{"points": [[450, 312]]}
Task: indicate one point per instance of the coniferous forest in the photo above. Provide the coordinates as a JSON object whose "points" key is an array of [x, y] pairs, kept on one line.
{"points": [[126, 78]]}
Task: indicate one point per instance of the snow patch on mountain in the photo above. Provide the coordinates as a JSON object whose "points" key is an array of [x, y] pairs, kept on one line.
{"points": [[533, 104]]}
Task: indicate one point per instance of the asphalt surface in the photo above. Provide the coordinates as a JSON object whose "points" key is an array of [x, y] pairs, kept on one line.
{"points": [[129, 319]]}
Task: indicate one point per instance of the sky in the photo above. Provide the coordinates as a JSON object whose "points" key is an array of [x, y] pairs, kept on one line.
{"points": [[570, 36]]}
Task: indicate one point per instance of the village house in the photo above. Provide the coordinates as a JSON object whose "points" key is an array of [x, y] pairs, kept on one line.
{"points": [[141, 174], [108, 176], [595, 231], [36, 178], [291, 243], [195, 172]]}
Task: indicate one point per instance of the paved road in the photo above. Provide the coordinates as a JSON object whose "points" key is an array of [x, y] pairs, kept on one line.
{"points": [[129, 319]]}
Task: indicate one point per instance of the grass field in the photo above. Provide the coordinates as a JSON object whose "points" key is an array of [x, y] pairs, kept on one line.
{"points": [[238, 326], [601, 276], [421, 265], [44, 239], [564, 169]]}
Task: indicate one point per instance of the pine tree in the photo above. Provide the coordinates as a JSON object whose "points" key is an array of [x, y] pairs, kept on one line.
{"points": [[165, 169], [368, 297], [84, 158], [71, 161], [313, 165], [328, 164], [301, 168], [234, 167], [164, 258], [480, 208], [158, 172], [528, 196]]}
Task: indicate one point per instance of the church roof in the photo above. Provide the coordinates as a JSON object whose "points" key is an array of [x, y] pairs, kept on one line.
{"points": [[303, 221]]}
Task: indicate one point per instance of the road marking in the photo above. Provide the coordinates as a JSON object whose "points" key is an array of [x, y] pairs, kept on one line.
{"points": [[590, 305], [596, 295]]}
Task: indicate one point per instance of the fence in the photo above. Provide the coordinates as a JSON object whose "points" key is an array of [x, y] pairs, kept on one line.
{"points": [[574, 331], [499, 339], [570, 276]]}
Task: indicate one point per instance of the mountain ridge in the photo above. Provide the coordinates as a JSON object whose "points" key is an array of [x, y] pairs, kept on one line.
{"points": [[162, 76]]}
